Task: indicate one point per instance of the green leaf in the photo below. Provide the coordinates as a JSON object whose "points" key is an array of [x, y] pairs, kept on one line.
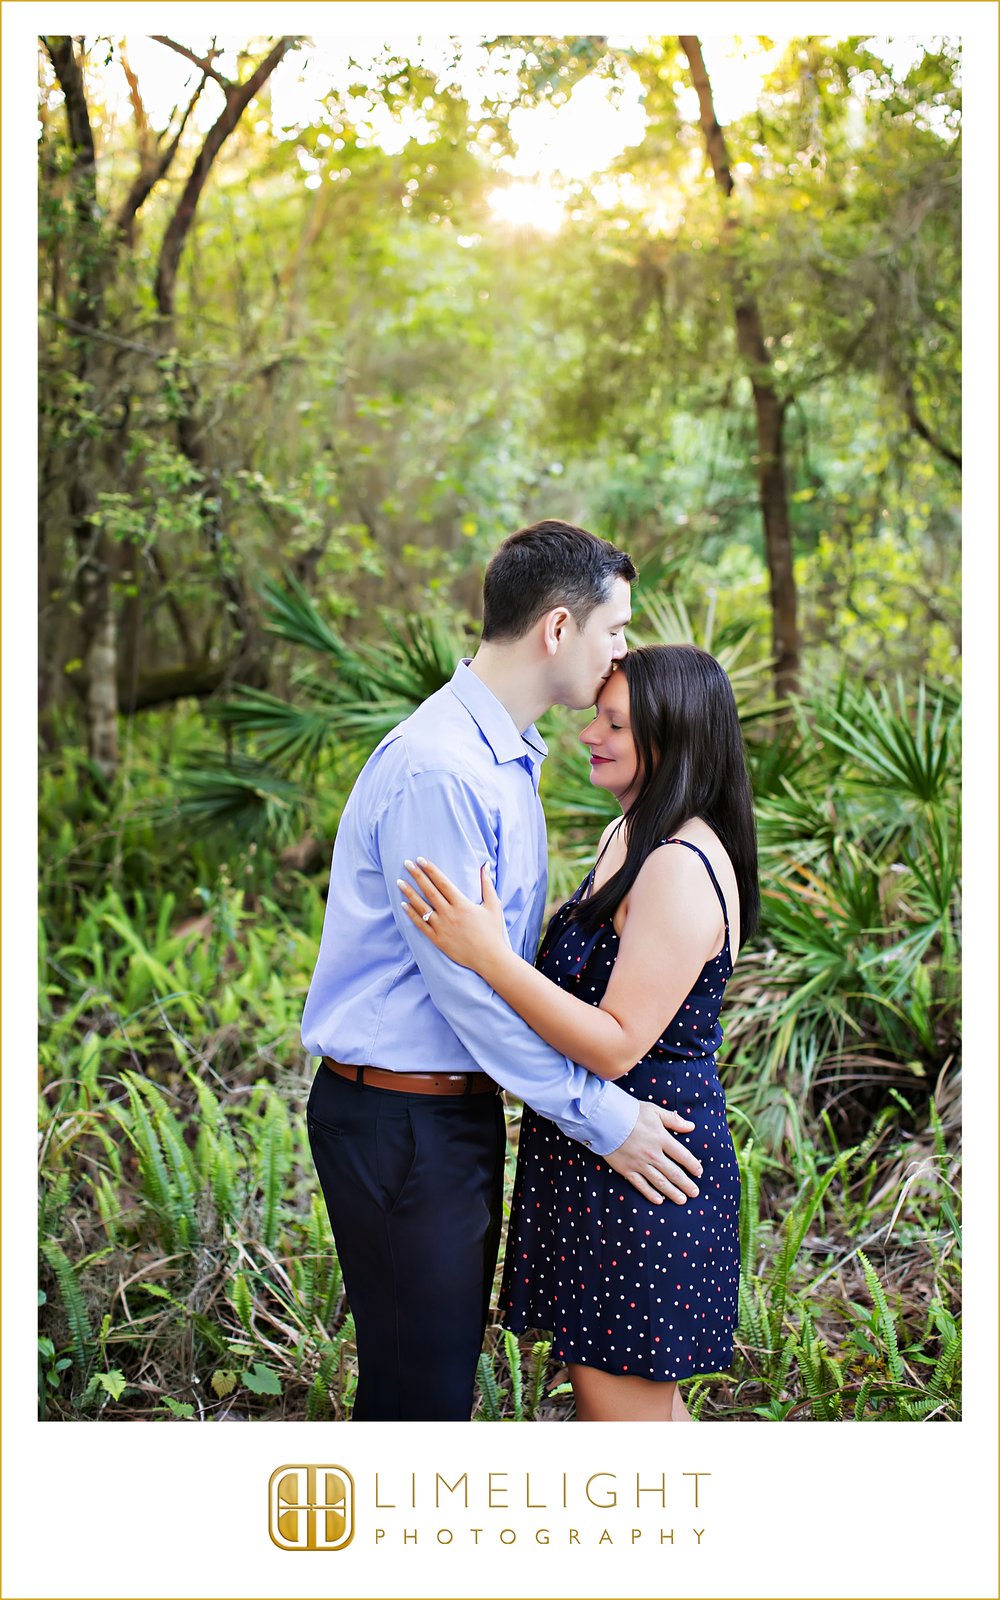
{"points": [[262, 1379], [179, 1408], [113, 1382]]}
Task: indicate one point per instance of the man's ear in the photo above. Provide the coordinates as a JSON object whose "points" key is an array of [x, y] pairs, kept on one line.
{"points": [[554, 625]]}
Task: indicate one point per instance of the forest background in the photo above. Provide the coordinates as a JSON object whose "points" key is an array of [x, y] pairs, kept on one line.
{"points": [[309, 348]]}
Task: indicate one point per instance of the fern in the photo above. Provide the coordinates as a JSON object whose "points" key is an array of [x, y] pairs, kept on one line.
{"points": [[751, 1329], [779, 1377], [861, 1403], [885, 1317], [815, 1369], [488, 1390], [152, 1166], [513, 1351], [695, 1396], [184, 1183], [55, 1198], [108, 1206], [334, 1285], [318, 1401], [81, 1332], [540, 1353], [215, 1158], [796, 1227], [749, 1219], [274, 1164], [945, 1368], [241, 1302], [916, 1410]]}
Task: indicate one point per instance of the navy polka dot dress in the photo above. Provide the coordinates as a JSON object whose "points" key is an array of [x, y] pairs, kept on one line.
{"points": [[623, 1284]]}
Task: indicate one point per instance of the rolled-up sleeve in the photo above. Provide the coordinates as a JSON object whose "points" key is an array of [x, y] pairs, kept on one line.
{"points": [[438, 815]]}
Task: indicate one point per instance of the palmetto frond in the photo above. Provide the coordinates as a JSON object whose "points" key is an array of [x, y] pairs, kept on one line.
{"points": [[239, 793], [661, 621], [913, 753], [292, 614], [353, 697], [285, 734]]}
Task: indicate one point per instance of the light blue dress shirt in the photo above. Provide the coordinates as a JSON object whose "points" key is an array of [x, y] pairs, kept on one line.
{"points": [[458, 783]]}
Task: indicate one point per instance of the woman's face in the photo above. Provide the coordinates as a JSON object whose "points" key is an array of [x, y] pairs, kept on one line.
{"points": [[614, 759]]}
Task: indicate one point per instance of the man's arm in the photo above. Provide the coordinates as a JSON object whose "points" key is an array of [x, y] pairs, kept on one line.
{"points": [[442, 817]]}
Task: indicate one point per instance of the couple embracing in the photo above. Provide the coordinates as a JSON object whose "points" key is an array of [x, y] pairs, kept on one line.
{"points": [[431, 994]]}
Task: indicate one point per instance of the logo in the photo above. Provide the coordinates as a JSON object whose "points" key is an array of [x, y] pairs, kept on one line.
{"points": [[311, 1508]]}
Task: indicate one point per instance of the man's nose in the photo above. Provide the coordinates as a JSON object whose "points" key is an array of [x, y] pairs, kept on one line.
{"points": [[619, 648]]}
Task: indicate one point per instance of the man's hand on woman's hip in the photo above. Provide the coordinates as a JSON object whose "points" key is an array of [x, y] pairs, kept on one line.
{"points": [[656, 1163]]}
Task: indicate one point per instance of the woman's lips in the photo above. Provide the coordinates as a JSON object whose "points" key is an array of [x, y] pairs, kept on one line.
{"points": [[599, 761]]}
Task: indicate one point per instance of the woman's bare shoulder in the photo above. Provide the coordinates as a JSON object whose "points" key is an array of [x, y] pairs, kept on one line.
{"points": [[697, 832]]}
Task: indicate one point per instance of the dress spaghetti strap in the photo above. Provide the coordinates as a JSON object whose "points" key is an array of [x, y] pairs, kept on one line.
{"points": [[711, 872]]}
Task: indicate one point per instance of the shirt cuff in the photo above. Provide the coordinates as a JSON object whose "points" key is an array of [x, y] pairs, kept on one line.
{"points": [[610, 1122]]}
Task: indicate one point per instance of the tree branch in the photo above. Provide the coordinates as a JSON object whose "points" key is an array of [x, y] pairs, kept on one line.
{"points": [[238, 97], [715, 142], [920, 427], [204, 64], [138, 106], [153, 165]]}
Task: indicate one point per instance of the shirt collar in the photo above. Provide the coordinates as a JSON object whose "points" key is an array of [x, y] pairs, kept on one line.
{"points": [[494, 721]]}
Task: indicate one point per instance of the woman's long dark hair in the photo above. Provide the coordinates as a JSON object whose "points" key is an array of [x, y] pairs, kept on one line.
{"points": [[691, 758]]}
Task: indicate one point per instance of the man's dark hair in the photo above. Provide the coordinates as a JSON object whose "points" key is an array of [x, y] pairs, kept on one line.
{"points": [[549, 564]]}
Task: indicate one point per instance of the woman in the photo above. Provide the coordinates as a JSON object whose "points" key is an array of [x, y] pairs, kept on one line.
{"points": [[629, 981]]}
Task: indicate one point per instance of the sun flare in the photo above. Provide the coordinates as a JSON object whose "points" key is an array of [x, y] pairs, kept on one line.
{"points": [[528, 204]]}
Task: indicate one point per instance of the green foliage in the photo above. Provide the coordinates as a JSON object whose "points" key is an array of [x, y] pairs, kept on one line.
{"points": [[372, 377], [516, 1391], [345, 704], [859, 856]]}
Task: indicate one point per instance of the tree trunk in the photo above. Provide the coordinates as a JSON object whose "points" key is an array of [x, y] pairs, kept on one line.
{"points": [[769, 405], [93, 576]]}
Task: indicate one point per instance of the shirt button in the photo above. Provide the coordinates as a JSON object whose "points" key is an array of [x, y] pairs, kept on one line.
{"points": [[588, 1144]]}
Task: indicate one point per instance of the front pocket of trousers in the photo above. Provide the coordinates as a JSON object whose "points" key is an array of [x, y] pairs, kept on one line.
{"points": [[395, 1152], [329, 1128]]}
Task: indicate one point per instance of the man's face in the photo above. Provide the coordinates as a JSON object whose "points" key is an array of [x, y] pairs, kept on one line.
{"points": [[587, 653]]}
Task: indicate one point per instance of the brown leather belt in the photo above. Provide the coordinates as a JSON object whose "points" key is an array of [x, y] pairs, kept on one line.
{"points": [[415, 1082]]}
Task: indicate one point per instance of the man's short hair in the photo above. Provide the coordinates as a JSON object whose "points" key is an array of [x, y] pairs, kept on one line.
{"points": [[549, 564]]}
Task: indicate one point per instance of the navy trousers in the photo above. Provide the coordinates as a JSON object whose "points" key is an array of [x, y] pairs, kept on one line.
{"points": [[414, 1187]]}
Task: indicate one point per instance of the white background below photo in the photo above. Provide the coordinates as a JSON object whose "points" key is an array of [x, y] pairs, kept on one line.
{"points": [[823, 1511]]}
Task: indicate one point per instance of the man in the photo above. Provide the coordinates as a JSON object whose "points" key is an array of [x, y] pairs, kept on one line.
{"points": [[405, 1119]]}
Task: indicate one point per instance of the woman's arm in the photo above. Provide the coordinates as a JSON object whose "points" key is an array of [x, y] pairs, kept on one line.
{"points": [[673, 926]]}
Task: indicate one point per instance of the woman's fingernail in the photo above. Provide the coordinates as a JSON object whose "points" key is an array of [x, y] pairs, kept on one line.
{"points": [[421, 861], [400, 884], [408, 865]]}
